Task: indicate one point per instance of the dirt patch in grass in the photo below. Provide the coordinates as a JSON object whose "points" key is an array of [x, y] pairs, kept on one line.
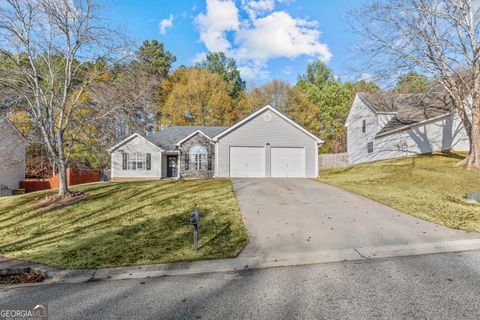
{"points": [[53, 202]]}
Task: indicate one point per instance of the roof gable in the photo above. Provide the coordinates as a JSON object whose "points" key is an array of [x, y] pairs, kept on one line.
{"points": [[260, 111], [6, 122], [383, 102], [130, 138], [170, 137], [191, 136]]}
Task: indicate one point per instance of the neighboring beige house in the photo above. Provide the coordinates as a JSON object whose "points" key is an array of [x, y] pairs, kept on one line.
{"points": [[12, 157], [389, 125], [265, 144]]}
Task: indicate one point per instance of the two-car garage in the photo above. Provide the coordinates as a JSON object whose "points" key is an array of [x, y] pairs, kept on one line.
{"points": [[266, 144], [267, 162]]}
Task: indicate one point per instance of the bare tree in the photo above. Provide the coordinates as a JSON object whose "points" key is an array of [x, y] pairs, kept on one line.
{"points": [[52, 52], [440, 38]]}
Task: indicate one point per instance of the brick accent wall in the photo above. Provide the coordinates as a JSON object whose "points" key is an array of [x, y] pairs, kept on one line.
{"points": [[184, 150]]}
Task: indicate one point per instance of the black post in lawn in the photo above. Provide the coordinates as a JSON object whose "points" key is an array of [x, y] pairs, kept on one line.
{"points": [[195, 220]]}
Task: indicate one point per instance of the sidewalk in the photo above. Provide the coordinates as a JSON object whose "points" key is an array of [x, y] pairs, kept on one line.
{"points": [[241, 263]]}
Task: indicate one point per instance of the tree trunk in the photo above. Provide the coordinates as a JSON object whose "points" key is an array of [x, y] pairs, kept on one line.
{"points": [[473, 158], [62, 179], [62, 167]]}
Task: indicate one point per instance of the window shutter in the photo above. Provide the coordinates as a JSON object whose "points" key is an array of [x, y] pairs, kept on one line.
{"points": [[209, 160], [149, 161], [187, 161], [124, 162]]}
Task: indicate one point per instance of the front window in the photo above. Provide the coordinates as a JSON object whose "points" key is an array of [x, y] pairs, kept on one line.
{"points": [[198, 158], [136, 161]]}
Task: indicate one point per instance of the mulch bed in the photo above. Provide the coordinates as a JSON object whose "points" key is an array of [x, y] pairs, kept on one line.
{"points": [[53, 202], [27, 276]]}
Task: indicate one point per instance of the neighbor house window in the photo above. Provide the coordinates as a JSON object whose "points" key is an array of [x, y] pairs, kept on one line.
{"points": [[137, 161], [370, 147], [364, 126], [197, 158]]}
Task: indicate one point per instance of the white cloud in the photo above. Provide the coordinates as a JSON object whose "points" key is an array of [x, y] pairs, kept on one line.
{"points": [[221, 16], [165, 24], [281, 35], [264, 35], [255, 8]]}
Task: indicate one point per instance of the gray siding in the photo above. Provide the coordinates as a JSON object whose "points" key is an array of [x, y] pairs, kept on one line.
{"points": [[139, 145], [440, 135], [12, 156], [257, 133], [356, 139]]}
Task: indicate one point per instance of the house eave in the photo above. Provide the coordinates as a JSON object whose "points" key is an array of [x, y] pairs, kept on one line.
{"points": [[179, 143], [413, 125], [259, 111], [131, 137]]}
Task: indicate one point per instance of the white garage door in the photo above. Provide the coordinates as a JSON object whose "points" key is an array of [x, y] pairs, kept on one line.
{"points": [[287, 162], [247, 162]]}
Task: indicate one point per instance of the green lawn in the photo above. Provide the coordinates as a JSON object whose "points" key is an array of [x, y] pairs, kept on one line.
{"points": [[429, 187], [125, 223]]}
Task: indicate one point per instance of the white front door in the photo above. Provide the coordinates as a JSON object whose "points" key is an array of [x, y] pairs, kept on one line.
{"points": [[247, 162], [287, 162]]}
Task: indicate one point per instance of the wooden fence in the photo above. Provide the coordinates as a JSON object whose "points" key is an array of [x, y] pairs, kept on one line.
{"points": [[74, 176], [332, 160]]}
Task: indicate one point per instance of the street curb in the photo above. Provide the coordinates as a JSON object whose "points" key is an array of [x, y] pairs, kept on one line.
{"points": [[58, 276]]}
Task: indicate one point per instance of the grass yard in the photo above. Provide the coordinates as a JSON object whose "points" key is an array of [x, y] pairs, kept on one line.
{"points": [[428, 186], [125, 223]]}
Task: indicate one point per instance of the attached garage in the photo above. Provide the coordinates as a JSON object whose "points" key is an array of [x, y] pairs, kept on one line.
{"points": [[287, 162], [247, 162], [266, 144]]}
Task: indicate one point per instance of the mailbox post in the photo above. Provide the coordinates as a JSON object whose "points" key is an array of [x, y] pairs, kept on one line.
{"points": [[195, 221]]}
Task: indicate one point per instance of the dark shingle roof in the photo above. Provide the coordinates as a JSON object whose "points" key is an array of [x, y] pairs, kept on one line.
{"points": [[384, 101], [417, 108], [167, 138]]}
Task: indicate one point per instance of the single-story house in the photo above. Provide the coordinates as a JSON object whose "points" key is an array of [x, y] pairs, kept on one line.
{"points": [[12, 157], [265, 144], [389, 125]]}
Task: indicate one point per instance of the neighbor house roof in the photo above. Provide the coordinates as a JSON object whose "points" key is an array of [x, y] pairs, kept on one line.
{"points": [[385, 102], [418, 108], [8, 122], [167, 138]]}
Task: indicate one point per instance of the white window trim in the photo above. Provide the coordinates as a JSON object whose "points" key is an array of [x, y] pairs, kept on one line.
{"points": [[134, 158], [198, 161]]}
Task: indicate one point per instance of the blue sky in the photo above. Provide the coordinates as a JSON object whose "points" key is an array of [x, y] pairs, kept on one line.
{"points": [[270, 39]]}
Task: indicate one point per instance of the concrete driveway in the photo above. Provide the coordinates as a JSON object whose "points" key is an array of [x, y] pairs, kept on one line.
{"points": [[296, 216]]}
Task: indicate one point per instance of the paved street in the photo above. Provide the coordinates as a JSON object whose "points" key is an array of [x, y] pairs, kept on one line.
{"points": [[302, 215], [442, 286]]}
